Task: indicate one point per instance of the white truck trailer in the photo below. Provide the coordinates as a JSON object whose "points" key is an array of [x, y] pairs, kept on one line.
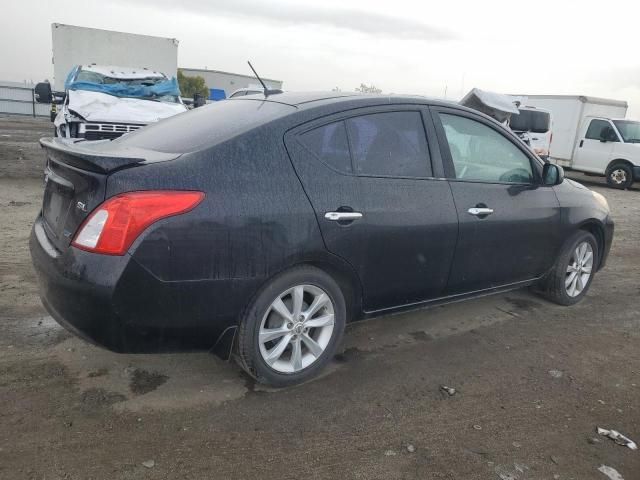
{"points": [[591, 135], [83, 46]]}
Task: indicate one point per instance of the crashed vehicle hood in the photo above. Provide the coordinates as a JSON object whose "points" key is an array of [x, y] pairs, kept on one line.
{"points": [[102, 107]]}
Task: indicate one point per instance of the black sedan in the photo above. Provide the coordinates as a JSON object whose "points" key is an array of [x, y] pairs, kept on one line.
{"points": [[264, 224]]}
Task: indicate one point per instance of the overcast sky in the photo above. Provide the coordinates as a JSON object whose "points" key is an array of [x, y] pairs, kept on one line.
{"points": [[401, 46]]}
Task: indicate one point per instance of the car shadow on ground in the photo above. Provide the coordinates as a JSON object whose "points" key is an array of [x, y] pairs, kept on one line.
{"points": [[143, 382]]}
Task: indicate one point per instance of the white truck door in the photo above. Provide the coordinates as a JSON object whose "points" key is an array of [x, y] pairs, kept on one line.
{"points": [[595, 146]]}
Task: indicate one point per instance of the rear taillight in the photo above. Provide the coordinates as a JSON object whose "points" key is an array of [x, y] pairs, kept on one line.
{"points": [[113, 226]]}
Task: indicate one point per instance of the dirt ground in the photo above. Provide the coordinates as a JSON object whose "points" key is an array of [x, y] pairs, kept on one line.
{"points": [[533, 382]]}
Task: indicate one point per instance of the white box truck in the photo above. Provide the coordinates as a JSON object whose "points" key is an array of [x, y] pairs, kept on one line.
{"points": [[591, 135]]}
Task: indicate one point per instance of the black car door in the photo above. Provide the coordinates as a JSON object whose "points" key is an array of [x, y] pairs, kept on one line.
{"points": [[508, 220], [370, 179]]}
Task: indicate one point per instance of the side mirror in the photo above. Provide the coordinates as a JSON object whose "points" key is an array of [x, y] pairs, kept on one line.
{"points": [[43, 92], [552, 174], [199, 100]]}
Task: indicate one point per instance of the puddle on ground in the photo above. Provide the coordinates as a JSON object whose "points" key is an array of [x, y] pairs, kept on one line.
{"points": [[143, 382]]}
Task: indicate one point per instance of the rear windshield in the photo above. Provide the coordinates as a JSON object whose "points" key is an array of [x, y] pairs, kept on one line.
{"points": [[530, 121], [204, 126]]}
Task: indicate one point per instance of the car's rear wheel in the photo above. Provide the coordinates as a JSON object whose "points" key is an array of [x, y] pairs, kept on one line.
{"points": [[571, 276], [620, 175], [293, 327]]}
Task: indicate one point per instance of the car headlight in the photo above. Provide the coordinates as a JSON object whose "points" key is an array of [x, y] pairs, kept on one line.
{"points": [[601, 200]]}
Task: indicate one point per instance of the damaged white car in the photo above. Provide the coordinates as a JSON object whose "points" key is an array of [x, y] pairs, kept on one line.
{"points": [[105, 102]]}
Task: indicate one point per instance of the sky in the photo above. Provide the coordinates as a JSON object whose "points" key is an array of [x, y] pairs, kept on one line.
{"points": [[440, 49]]}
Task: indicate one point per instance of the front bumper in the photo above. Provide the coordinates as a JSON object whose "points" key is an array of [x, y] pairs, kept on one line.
{"points": [[114, 302]]}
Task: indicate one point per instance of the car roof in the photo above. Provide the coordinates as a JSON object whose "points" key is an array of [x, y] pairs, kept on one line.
{"points": [[221, 121], [303, 100]]}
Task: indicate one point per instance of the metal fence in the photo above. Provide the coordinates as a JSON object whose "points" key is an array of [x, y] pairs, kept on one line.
{"points": [[17, 100]]}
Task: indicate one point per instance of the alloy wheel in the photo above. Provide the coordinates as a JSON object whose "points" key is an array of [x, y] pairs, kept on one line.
{"points": [[296, 328], [579, 269]]}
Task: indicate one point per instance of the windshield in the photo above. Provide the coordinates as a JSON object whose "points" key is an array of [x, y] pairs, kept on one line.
{"points": [[530, 121], [629, 130], [100, 79]]}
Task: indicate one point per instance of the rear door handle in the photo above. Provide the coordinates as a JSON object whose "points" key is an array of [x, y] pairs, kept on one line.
{"points": [[341, 216], [480, 211]]}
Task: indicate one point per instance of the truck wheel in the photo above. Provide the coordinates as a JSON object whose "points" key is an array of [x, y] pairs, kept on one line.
{"points": [[570, 278], [292, 328], [619, 175]]}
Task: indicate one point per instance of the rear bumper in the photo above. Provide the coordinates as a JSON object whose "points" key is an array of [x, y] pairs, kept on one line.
{"points": [[114, 302]]}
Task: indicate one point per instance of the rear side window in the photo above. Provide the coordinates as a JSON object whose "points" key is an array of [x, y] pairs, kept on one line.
{"points": [[389, 144], [329, 143]]}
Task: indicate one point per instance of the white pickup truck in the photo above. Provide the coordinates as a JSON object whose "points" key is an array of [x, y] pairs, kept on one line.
{"points": [[591, 135], [104, 102]]}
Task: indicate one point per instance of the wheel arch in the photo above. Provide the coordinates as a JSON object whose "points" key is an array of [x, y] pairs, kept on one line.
{"points": [[595, 228], [347, 280], [617, 161]]}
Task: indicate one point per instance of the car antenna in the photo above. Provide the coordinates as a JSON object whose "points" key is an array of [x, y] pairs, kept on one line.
{"points": [[267, 92]]}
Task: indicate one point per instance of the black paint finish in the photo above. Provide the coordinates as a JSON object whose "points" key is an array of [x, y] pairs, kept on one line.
{"points": [[266, 197]]}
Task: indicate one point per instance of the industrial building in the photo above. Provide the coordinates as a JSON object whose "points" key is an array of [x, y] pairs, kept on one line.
{"points": [[228, 82]]}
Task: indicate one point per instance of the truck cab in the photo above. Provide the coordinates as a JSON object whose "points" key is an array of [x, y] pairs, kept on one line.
{"points": [[609, 147]]}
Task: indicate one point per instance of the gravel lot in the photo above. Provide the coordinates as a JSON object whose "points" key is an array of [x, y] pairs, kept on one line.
{"points": [[533, 382]]}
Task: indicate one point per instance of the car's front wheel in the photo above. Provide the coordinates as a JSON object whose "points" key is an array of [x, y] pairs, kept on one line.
{"points": [[571, 276], [292, 328]]}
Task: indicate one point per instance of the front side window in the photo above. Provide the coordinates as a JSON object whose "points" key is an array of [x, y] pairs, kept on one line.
{"points": [[389, 144], [598, 130], [480, 153]]}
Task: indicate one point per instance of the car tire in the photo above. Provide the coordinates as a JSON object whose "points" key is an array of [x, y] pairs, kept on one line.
{"points": [[567, 283], [292, 328], [620, 175]]}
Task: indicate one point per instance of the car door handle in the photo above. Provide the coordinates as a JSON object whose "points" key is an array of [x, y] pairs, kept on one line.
{"points": [[341, 216], [480, 211]]}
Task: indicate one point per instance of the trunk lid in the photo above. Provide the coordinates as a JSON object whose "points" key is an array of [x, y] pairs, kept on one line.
{"points": [[76, 176]]}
